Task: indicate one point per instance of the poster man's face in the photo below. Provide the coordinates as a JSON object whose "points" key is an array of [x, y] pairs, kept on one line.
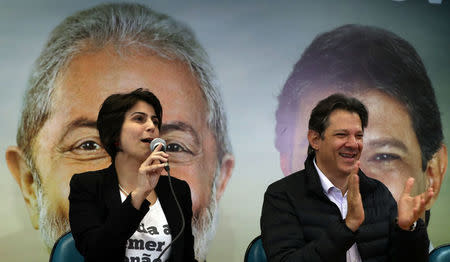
{"points": [[68, 142], [391, 150]]}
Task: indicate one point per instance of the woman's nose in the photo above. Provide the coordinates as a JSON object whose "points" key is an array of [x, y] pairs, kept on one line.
{"points": [[150, 126]]}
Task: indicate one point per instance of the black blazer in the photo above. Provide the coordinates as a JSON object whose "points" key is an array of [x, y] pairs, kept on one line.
{"points": [[101, 224]]}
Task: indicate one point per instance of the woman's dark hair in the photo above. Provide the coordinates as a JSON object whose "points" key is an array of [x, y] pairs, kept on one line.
{"points": [[112, 113], [320, 115]]}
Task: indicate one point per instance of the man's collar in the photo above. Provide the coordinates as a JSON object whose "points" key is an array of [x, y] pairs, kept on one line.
{"points": [[324, 181], [313, 182], [366, 184]]}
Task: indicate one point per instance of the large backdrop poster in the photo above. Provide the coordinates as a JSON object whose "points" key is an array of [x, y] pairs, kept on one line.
{"points": [[253, 46]]}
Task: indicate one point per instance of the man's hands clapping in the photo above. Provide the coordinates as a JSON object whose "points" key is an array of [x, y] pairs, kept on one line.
{"points": [[355, 212], [410, 208]]}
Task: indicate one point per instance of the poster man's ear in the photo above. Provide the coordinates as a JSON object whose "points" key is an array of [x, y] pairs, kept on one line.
{"points": [[22, 174], [436, 168], [226, 169]]}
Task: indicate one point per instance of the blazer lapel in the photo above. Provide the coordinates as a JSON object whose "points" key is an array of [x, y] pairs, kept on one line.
{"points": [[172, 214], [111, 193], [168, 205]]}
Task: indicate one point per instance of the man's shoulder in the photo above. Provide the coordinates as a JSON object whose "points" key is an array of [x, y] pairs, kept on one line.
{"points": [[294, 181]]}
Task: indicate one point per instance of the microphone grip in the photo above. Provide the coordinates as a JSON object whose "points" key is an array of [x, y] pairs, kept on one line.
{"points": [[167, 167]]}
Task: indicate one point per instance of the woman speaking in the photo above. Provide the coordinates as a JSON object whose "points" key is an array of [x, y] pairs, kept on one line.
{"points": [[127, 212]]}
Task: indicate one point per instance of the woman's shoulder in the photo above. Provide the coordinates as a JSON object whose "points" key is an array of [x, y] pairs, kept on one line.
{"points": [[91, 177], [180, 187]]}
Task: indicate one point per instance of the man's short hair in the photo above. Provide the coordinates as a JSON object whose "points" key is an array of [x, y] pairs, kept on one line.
{"points": [[124, 25], [320, 115], [112, 114], [356, 56]]}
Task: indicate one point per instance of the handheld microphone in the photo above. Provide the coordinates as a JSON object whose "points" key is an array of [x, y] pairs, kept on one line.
{"points": [[155, 142]]}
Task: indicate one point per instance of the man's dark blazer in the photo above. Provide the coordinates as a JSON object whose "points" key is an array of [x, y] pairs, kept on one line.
{"points": [[101, 224], [300, 223]]}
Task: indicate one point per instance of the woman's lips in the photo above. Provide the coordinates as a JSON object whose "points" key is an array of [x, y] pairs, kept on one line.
{"points": [[147, 140]]}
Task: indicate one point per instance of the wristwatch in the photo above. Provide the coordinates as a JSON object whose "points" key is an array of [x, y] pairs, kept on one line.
{"points": [[411, 228]]}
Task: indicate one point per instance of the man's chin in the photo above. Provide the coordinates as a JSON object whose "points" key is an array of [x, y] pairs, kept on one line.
{"points": [[346, 166], [52, 224], [204, 230]]}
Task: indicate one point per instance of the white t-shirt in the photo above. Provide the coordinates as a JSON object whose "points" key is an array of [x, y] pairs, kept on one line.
{"points": [[151, 237]]}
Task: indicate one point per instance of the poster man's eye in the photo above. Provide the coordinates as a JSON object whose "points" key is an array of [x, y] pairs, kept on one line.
{"points": [[173, 147], [89, 146], [385, 157]]}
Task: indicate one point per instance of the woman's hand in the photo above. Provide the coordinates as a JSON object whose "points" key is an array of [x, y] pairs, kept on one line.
{"points": [[148, 175], [151, 169]]}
